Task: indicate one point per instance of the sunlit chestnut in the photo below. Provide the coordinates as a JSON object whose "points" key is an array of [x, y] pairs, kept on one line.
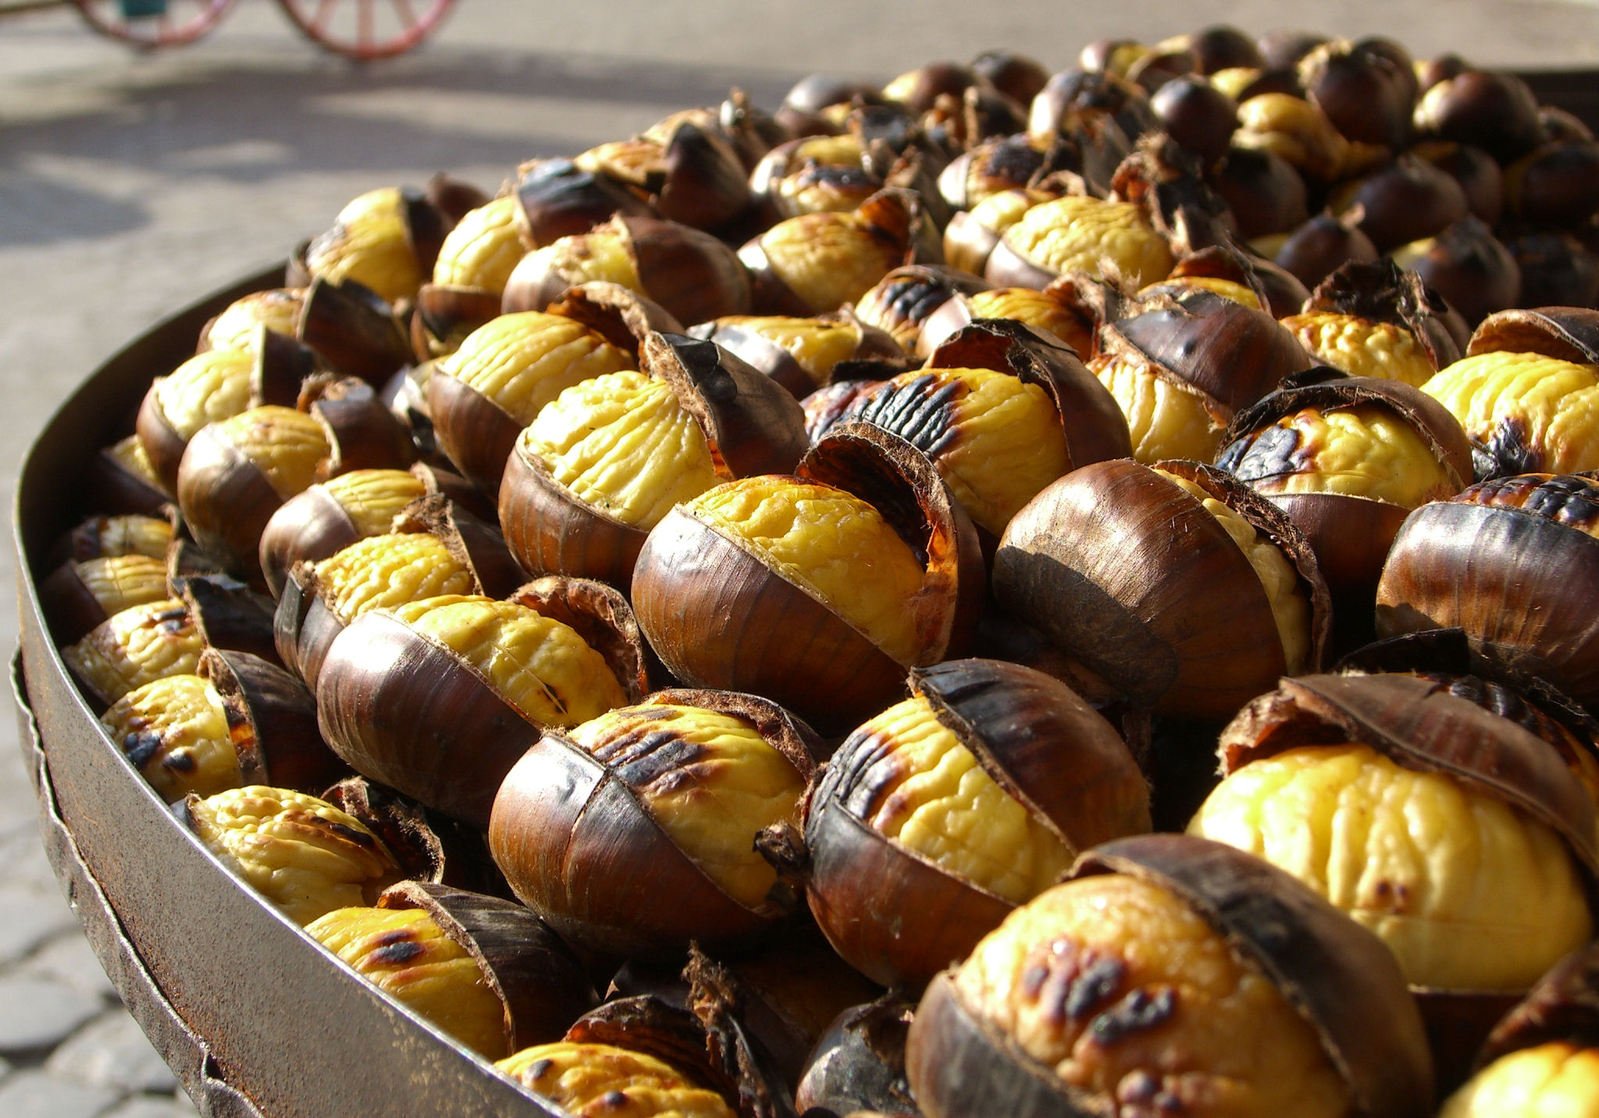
{"points": [[1164, 973], [1478, 883], [1186, 591], [1522, 391], [133, 647], [1503, 561], [972, 233], [81, 593], [908, 299], [482, 969], [1002, 411], [802, 353], [577, 1076], [898, 886], [1376, 320], [431, 547], [483, 395], [1079, 233], [685, 270], [602, 463], [372, 241], [683, 783], [1180, 370], [1468, 265], [816, 589], [1347, 459], [687, 173], [438, 698], [815, 263]]}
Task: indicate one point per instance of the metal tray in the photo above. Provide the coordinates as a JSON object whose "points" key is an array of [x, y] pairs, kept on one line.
{"points": [[256, 1019]]}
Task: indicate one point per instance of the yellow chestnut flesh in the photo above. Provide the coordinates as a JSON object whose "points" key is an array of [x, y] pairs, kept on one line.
{"points": [[523, 360], [1468, 892], [931, 796], [135, 646], [1124, 991], [207, 387], [404, 953], [176, 732], [286, 445], [483, 247], [1226, 288], [832, 544], [826, 259], [537, 664], [602, 254], [1166, 419], [372, 498], [1024, 304], [1363, 451], [369, 243], [119, 582], [1525, 400], [389, 570], [1084, 234], [996, 439], [816, 344], [1290, 608], [622, 443], [589, 1080], [238, 326], [301, 853], [713, 783], [104, 537], [1361, 347], [1552, 1080]]}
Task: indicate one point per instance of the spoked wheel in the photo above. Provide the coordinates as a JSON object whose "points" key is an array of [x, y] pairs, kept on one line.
{"points": [[367, 29], [153, 23]]}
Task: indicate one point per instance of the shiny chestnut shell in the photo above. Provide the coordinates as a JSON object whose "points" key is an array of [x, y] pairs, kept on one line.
{"points": [[896, 915], [718, 617], [1338, 976], [1128, 573]]}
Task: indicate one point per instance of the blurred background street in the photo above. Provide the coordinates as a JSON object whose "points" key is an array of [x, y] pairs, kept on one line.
{"points": [[134, 183]]}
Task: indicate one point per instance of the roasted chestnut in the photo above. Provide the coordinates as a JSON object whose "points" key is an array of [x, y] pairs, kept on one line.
{"points": [[801, 354], [1184, 590], [816, 589], [1165, 974], [602, 463], [1376, 320], [80, 594], [580, 1076], [133, 647], [1079, 234], [898, 880], [634, 832], [302, 854]]}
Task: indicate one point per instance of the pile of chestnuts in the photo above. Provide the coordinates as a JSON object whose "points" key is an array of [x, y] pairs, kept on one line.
{"points": [[1005, 591]]}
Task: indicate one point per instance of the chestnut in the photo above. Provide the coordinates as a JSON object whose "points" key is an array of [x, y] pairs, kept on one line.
{"points": [[802, 353], [1367, 93], [1180, 370], [1468, 265], [1079, 233], [372, 242], [760, 584], [1148, 575], [972, 234], [580, 1076], [1092, 998], [908, 300], [688, 173], [1263, 191], [481, 396], [1403, 200], [1296, 130], [1552, 185], [859, 1063], [134, 646], [602, 463], [689, 272], [237, 326], [1492, 109], [901, 887], [1002, 412], [1376, 320], [482, 969], [1197, 115], [80, 594], [479, 252], [662, 799], [1501, 561], [403, 691], [1347, 459], [815, 263], [1322, 245]]}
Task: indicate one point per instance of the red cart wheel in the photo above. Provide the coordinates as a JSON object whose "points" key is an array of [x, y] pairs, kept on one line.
{"points": [[367, 29], [153, 23]]}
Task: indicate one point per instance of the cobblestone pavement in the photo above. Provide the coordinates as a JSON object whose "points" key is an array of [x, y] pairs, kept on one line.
{"points": [[130, 185]]}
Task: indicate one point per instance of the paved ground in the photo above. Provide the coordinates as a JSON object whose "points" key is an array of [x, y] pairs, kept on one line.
{"points": [[133, 184]]}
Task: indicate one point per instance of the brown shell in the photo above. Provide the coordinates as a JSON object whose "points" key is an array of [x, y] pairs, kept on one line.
{"points": [[1562, 1006], [552, 531], [536, 977], [719, 618], [897, 916], [1566, 333], [444, 314], [1421, 726], [1232, 353], [559, 199], [753, 427], [474, 432], [285, 748], [353, 331], [1381, 291], [618, 314], [602, 616], [226, 500], [411, 714], [362, 431], [904, 300], [579, 849], [1509, 578], [1130, 575], [771, 359]]}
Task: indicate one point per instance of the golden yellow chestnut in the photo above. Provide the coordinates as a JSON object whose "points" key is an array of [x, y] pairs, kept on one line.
{"points": [[589, 1080]]}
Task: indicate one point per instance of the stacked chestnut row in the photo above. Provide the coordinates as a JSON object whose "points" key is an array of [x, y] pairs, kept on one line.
{"points": [[742, 615]]}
